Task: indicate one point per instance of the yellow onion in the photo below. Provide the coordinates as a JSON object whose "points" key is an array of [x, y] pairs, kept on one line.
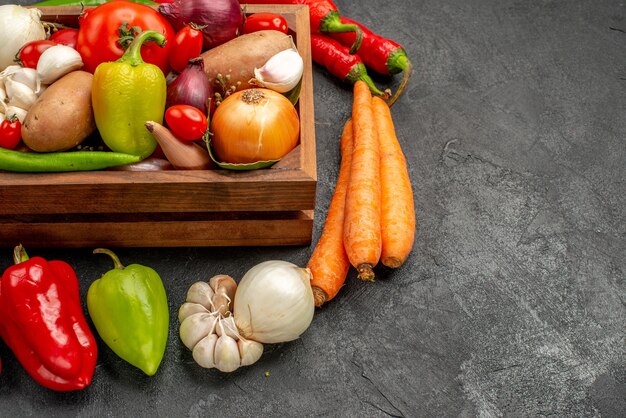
{"points": [[254, 125]]}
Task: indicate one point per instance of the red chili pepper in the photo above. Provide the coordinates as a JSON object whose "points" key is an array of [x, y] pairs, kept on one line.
{"points": [[337, 59], [42, 322], [324, 17], [383, 55]]}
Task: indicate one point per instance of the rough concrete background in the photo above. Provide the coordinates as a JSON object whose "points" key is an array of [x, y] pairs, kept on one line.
{"points": [[513, 302]]}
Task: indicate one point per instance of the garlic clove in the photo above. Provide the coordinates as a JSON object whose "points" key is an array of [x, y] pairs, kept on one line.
{"points": [[204, 352], [224, 287], [227, 327], [41, 87], [189, 308], [195, 327], [282, 72], [26, 76], [57, 61], [19, 94], [249, 351], [18, 112], [226, 354], [7, 73], [202, 293]]}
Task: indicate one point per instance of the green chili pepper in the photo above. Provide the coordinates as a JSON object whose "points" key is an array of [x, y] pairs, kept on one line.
{"points": [[87, 3], [32, 162], [125, 95], [128, 306]]}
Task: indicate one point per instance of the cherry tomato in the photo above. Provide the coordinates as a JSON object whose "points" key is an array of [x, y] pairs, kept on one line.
{"points": [[10, 133], [65, 37], [187, 44], [265, 21], [186, 122], [30, 53], [99, 33]]}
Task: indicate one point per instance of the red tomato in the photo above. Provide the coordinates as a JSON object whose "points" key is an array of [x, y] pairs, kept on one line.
{"points": [[99, 33], [30, 53], [65, 37], [265, 21], [186, 122], [10, 133], [187, 44]]}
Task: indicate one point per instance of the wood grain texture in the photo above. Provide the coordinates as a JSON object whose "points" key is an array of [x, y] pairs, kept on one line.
{"points": [[164, 230]]}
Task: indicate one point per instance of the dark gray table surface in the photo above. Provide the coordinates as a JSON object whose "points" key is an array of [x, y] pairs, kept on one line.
{"points": [[513, 301]]}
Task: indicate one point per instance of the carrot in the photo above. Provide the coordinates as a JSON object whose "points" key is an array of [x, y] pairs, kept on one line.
{"points": [[397, 209], [329, 262], [362, 235]]}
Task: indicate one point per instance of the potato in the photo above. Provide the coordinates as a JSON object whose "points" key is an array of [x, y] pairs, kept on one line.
{"points": [[62, 116], [238, 57]]}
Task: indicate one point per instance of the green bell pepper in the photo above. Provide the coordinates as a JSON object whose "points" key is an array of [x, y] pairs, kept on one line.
{"points": [[125, 95], [128, 306]]}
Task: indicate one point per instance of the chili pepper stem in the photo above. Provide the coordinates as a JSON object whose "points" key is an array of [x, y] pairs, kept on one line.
{"points": [[116, 260], [132, 55], [406, 76], [359, 72], [19, 254], [332, 24]]}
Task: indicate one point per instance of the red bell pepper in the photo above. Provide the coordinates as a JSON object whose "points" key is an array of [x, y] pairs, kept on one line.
{"points": [[42, 322]]}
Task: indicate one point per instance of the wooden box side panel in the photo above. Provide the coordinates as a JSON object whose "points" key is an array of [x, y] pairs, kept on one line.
{"points": [[128, 230]]}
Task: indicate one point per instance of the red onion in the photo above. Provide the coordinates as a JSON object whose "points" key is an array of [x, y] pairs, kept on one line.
{"points": [[223, 18], [191, 87]]}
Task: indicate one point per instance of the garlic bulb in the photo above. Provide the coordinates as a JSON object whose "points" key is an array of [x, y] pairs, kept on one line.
{"points": [[14, 111], [282, 72], [57, 61], [274, 302], [28, 77], [19, 94], [208, 329]]}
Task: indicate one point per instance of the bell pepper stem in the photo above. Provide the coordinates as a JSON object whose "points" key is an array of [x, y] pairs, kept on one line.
{"points": [[116, 260], [132, 55], [19, 254]]}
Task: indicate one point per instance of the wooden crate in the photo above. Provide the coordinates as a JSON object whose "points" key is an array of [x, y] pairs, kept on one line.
{"points": [[171, 208]]}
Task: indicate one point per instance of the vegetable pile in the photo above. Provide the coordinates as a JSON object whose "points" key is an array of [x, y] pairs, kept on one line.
{"points": [[346, 48], [134, 82], [191, 85]]}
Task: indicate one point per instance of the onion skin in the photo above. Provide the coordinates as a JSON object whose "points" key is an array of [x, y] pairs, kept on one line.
{"points": [[182, 155], [254, 125], [223, 18], [191, 87], [11, 37]]}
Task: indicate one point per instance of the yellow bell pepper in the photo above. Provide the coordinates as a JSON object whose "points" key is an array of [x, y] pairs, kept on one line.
{"points": [[125, 95]]}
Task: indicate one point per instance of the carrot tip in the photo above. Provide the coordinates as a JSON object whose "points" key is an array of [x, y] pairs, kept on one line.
{"points": [[392, 262], [319, 296], [366, 273]]}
